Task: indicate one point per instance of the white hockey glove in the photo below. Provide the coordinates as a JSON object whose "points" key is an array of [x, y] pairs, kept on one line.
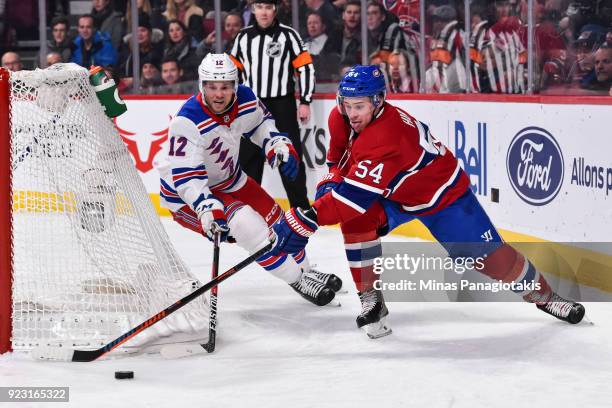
{"points": [[212, 216], [280, 152]]}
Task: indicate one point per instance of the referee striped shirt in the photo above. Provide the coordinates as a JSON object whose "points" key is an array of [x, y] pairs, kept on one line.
{"points": [[268, 59]]}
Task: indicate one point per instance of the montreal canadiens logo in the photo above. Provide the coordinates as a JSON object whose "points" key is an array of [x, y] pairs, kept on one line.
{"points": [[535, 165]]}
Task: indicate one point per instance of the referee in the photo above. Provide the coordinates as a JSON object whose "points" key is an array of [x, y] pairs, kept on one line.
{"points": [[268, 55]]}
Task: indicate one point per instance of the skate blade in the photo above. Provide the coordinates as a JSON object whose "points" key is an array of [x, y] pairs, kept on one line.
{"points": [[378, 329]]}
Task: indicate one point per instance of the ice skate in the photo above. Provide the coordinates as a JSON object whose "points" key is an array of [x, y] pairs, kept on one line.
{"points": [[328, 279], [563, 309], [373, 316], [313, 291]]}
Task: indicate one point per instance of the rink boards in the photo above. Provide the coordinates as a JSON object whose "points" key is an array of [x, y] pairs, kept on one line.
{"points": [[541, 167]]}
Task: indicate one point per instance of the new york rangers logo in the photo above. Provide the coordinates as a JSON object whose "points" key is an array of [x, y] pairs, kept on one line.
{"points": [[535, 166], [143, 163], [216, 149]]}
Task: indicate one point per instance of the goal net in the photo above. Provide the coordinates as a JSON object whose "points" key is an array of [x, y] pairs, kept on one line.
{"points": [[90, 258]]}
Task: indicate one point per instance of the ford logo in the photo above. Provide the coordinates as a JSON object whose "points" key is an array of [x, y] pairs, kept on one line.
{"points": [[535, 165]]}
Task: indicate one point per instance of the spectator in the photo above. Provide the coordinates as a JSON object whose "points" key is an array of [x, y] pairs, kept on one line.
{"points": [[482, 63], [509, 40], [60, 41], [283, 13], [582, 72], [181, 47], [407, 12], [246, 12], [317, 38], [232, 24], [329, 14], [149, 50], [171, 72], [150, 80], [188, 13], [324, 59], [348, 45], [447, 71], [92, 47], [144, 6], [150, 77], [107, 20], [384, 35], [603, 69], [403, 72], [11, 61], [54, 58], [172, 83]]}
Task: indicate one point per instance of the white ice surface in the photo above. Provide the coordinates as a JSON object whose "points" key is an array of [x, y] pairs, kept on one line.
{"points": [[276, 350]]}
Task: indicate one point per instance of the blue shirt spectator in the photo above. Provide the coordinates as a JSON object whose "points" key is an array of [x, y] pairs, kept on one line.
{"points": [[92, 47]]}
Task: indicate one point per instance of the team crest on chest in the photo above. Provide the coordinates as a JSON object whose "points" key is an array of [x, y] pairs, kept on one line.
{"points": [[273, 49], [226, 118]]}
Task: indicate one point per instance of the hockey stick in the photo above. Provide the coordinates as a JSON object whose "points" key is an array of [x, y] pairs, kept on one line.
{"points": [[212, 325], [66, 354]]}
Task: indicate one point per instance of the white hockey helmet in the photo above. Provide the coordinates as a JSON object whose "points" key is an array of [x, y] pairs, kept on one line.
{"points": [[217, 67]]}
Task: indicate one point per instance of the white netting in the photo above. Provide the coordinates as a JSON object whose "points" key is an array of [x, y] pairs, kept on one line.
{"points": [[91, 258]]}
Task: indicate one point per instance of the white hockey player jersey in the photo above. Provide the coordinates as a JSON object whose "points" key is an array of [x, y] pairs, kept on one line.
{"points": [[204, 147]]}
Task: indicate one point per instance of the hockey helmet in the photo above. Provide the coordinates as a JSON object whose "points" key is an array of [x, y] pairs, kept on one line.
{"points": [[362, 80], [217, 67]]}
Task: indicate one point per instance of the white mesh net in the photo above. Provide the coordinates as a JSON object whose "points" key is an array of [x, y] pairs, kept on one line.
{"points": [[91, 258]]}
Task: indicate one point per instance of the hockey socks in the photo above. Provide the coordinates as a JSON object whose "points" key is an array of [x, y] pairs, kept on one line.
{"points": [[360, 258]]}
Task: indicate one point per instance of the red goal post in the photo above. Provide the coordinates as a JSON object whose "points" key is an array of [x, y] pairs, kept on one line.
{"points": [[5, 214]]}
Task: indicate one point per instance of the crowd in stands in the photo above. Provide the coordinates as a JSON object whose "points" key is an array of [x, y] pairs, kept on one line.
{"points": [[572, 42]]}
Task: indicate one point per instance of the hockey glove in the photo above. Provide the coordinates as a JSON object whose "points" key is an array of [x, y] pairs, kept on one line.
{"points": [[328, 183], [280, 152], [212, 216], [293, 230]]}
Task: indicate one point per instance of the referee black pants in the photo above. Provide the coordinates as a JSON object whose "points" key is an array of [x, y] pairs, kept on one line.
{"points": [[252, 160]]}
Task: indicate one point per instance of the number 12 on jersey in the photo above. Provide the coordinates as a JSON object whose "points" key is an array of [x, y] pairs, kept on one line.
{"points": [[177, 146]]}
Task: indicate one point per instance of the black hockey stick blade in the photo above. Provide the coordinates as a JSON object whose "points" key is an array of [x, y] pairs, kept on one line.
{"points": [[68, 354]]}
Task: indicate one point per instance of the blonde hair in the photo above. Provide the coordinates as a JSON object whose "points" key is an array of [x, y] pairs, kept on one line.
{"points": [[171, 12], [146, 7]]}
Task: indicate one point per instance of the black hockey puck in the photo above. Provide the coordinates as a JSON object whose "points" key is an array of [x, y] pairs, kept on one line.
{"points": [[123, 375]]}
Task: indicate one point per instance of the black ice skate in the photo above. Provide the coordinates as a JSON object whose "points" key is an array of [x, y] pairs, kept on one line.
{"points": [[328, 279], [313, 291], [563, 309], [373, 317]]}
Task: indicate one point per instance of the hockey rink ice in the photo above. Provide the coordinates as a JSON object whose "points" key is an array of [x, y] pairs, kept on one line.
{"points": [[276, 350]]}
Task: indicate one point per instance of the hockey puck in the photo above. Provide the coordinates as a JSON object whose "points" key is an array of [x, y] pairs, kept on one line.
{"points": [[123, 375]]}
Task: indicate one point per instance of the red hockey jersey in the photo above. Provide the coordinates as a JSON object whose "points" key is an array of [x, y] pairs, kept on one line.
{"points": [[394, 157]]}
